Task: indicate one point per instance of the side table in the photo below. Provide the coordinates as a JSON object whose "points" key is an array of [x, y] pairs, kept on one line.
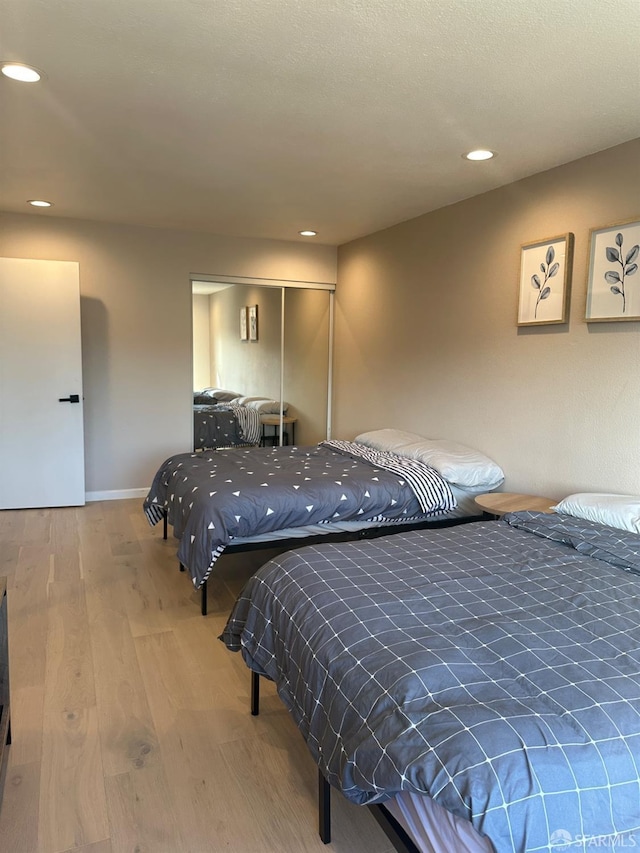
{"points": [[274, 421], [496, 504]]}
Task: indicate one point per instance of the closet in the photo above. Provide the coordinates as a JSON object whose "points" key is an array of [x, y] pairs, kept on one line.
{"points": [[285, 356]]}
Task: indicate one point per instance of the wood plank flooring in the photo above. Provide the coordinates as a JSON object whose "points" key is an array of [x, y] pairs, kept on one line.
{"points": [[131, 730]]}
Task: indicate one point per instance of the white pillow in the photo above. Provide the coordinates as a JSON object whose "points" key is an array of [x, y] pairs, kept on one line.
{"points": [[458, 464], [621, 511]]}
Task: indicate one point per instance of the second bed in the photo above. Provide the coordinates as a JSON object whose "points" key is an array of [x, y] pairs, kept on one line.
{"points": [[244, 497]]}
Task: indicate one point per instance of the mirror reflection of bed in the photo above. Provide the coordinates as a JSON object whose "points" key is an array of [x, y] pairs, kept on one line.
{"points": [[283, 374], [223, 419]]}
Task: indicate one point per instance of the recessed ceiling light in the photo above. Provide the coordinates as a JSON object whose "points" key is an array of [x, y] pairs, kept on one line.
{"points": [[479, 154], [20, 71], [307, 233], [37, 202]]}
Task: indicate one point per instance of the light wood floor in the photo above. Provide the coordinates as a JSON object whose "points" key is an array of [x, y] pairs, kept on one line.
{"points": [[130, 720]]}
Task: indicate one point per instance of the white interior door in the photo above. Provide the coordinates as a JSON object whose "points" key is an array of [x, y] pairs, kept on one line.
{"points": [[41, 438]]}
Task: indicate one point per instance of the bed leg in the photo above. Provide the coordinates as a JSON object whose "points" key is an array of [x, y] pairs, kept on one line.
{"points": [[203, 599], [164, 524], [181, 567], [255, 694], [324, 809]]}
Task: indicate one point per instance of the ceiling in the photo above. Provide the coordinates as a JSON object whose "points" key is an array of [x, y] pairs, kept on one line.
{"points": [[259, 118]]}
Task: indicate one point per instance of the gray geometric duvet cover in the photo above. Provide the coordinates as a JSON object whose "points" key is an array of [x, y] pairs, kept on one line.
{"points": [[493, 666], [224, 425], [213, 498], [215, 426]]}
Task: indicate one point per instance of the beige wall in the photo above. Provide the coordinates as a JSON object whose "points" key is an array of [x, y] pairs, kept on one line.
{"points": [[136, 326], [201, 345], [253, 367], [426, 335], [306, 374]]}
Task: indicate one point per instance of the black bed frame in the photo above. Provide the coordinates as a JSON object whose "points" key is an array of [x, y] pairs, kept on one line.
{"points": [[346, 536], [392, 829]]}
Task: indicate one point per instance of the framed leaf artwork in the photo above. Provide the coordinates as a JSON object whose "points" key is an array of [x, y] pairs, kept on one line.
{"points": [[545, 281], [613, 283], [253, 322]]}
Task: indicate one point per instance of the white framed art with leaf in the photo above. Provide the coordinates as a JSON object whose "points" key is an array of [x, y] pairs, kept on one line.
{"points": [[613, 283], [545, 281], [252, 312]]}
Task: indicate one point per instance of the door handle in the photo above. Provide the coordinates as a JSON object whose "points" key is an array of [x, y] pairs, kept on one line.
{"points": [[72, 398]]}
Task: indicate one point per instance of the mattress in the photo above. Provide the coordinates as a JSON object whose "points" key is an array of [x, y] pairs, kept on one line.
{"points": [[434, 829]]}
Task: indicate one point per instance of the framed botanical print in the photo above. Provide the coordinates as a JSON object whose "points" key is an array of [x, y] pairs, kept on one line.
{"points": [[243, 325], [253, 322], [545, 281], [613, 283]]}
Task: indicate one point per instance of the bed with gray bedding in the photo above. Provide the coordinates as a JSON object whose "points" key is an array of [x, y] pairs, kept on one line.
{"points": [[224, 425], [213, 499], [493, 667]]}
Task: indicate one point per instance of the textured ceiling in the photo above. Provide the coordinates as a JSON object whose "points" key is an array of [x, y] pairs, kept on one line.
{"points": [[259, 118]]}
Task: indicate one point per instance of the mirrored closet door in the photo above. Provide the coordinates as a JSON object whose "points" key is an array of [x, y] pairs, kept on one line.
{"points": [[268, 345]]}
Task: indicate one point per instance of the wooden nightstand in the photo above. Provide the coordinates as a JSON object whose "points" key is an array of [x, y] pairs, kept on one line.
{"points": [[497, 503], [274, 421]]}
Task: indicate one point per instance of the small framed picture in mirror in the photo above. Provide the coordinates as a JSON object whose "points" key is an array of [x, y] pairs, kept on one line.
{"points": [[253, 322]]}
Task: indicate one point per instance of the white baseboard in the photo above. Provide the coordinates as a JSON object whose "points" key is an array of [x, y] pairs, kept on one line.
{"points": [[116, 494]]}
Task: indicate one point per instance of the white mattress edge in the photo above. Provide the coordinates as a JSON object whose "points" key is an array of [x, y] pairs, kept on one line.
{"points": [[432, 828]]}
